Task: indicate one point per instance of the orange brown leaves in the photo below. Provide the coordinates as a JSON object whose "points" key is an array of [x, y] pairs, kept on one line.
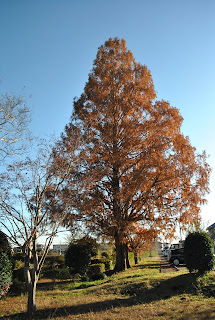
{"points": [[141, 167]]}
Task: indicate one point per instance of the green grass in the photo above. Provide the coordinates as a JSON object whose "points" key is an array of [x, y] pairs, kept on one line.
{"points": [[142, 292]]}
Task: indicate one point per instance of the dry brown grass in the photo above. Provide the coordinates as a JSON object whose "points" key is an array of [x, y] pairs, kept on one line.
{"points": [[140, 293]]}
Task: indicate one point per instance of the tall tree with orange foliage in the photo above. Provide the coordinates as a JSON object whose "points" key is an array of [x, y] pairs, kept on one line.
{"points": [[138, 164]]}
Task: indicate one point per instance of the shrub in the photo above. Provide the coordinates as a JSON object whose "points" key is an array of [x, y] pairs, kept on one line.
{"points": [[61, 273], [91, 244], [4, 244], [198, 252], [18, 287], [17, 264], [78, 255], [105, 254], [77, 258], [19, 274], [96, 271], [107, 262], [54, 268], [97, 260], [18, 256], [5, 273]]}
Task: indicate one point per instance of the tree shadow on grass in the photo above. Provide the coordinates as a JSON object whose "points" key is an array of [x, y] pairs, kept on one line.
{"points": [[163, 263], [145, 266], [51, 285], [132, 294]]}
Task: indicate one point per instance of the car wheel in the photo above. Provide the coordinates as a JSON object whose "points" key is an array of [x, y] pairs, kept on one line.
{"points": [[176, 262]]}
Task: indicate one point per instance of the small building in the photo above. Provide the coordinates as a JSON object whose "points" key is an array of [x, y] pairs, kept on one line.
{"points": [[60, 248]]}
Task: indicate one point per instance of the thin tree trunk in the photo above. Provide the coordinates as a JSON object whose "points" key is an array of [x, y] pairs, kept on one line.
{"points": [[31, 279], [31, 307], [127, 257]]}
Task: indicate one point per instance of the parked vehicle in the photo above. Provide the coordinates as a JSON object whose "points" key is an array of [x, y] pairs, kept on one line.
{"points": [[174, 246], [165, 250], [176, 256]]}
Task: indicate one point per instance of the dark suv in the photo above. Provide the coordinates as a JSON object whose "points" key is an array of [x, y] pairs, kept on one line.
{"points": [[176, 256]]}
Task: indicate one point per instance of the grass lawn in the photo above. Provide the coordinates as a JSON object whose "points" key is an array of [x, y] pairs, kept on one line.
{"points": [[142, 292]]}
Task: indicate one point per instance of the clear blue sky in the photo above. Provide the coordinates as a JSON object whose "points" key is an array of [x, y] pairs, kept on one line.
{"points": [[48, 47]]}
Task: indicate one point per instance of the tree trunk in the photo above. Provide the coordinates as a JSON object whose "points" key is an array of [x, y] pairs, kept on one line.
{"points": [[120, 247], [135, 258], [31, 308], [31, 279], [127, 257], [120, 255]]}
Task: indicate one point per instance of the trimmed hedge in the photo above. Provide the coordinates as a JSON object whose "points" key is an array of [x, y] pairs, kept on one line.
{"points": [[54, 268], [198, 252], [107, 262], [61, 273], [96, 271]]}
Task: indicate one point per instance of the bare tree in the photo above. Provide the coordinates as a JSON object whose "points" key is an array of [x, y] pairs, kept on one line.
{"points": [[14, 120], [34, 203]]}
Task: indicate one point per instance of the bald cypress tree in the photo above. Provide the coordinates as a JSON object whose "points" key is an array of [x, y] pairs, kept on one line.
{"points": [[138, 167]]}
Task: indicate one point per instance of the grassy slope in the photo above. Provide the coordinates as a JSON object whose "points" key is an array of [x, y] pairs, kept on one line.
{"points": [[139, 293]]}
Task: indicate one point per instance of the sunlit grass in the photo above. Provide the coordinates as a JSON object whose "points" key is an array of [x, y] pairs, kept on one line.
{"points": [[142, 292]]}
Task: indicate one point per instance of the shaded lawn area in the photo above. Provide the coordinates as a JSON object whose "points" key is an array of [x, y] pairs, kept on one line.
{"points": [[139, 293]]}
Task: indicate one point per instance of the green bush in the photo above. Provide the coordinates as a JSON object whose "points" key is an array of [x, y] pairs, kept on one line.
{"points": [[54, 268], [108, 264], [105, 254], [77, 258], [78, 255], [55, 260], [19, 274], [5, 273], [60, 273], [96, 271], [18, 256], [17, 287], [4, 244], [90, 243], [63, 273], [198, 252], [17, 264]]}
